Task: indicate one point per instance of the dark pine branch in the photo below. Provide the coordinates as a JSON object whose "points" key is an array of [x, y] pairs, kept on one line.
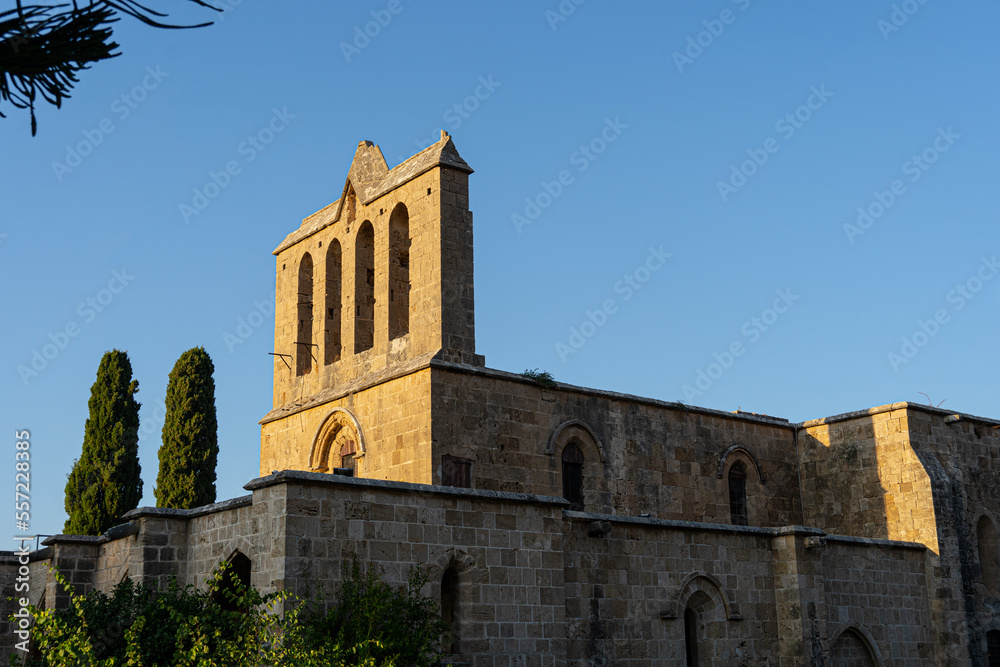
{"points": [[43, 47]]}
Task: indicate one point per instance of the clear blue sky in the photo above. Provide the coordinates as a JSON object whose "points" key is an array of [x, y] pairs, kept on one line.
{"points": [[645, 123]]}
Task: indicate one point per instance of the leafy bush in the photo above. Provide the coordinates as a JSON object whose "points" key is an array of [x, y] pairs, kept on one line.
{"points": [[398, 623], [371, 624], [543, 378]]}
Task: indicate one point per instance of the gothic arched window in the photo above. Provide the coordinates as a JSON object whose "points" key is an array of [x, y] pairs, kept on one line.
{"points": [[399, 272], [228, 589], [303, 340], [364, 288], [331, 344]]}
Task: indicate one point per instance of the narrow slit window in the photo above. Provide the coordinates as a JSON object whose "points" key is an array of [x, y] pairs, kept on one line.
{"points": [[738, 494], [989, 553], [993, 648], [450, 607], [691, 637], [572, 476]]}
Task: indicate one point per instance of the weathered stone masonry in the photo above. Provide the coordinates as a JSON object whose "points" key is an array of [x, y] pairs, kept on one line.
{"points": [[563, 525]]}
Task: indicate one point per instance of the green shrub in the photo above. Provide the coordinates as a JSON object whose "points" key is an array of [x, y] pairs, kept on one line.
{"points": [[371, 624], [399, 622], [544, 378]]}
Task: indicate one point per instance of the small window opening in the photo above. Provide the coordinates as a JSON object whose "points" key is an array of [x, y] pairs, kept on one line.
{"points": [[303, 341], [993, 648], [449, 607], [239, 569], [691, 637], [989, 553], [738, 494], [456, 471], [572, 476], [332, 328], [399, 272], [364, 322], [352, 205]]}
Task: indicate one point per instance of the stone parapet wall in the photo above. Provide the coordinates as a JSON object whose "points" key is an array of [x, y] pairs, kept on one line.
{"points": [[641, 456], [762, 596], [536, 580], [189, 544], [876, 592], [917, 473], [506, 550], [961, 454], [629, 581], [863, 476]]}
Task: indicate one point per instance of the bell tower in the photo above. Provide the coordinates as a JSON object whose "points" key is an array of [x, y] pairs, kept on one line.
{"points": [[370, 288]]}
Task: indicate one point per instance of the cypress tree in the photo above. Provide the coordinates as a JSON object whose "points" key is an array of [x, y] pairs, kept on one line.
{"points": [[190, 446], [105, 481]]}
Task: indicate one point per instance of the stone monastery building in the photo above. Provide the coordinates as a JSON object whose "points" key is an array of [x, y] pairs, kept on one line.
{"points": [[566, 526]]}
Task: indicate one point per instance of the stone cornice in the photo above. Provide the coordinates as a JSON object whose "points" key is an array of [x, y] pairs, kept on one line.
{"points": [[291, 476]]}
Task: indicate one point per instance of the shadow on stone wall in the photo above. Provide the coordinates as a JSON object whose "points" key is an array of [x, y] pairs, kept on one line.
{"points": [[842, 489]]}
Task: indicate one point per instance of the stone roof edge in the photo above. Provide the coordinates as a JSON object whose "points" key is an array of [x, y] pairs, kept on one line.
{"points": [[743, 530], [130, 527], [388, 183], [744, 416], [45, 553], [311, 224], [673, 523], [286, 476], [75, 539], [431, 361], [14, 557], [366, 381], [889, 407], [872, 542], [392, 181], [318, 215], [172, 513]]}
